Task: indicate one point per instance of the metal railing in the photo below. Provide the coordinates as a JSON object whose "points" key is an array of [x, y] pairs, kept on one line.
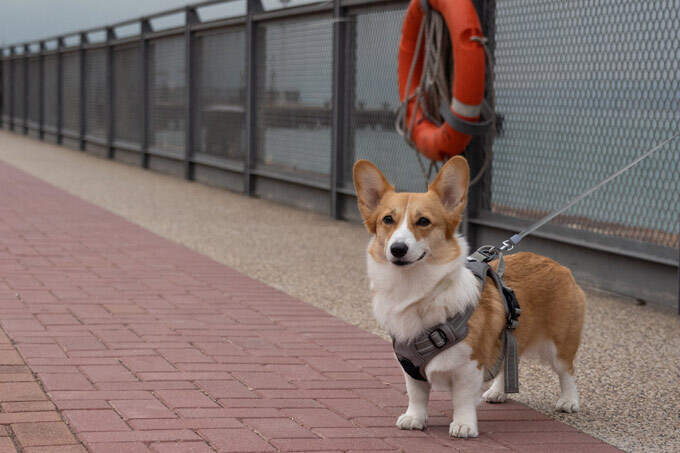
{"points": [[280, 102]]}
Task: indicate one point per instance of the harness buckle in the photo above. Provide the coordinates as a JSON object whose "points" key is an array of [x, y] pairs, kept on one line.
{"points": [[438, 338], [485, 254], [513, 307]]}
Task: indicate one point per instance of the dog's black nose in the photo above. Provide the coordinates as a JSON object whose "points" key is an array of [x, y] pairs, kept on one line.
{"points": [[398, 249]]}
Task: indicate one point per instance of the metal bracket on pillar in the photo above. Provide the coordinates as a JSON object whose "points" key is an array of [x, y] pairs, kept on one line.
{"points": [[145, 28], [110, 109], [190, 106], [83, 91], [250, 155]]}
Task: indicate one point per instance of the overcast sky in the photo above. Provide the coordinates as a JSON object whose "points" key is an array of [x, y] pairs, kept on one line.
{"points": [[29, 20]]}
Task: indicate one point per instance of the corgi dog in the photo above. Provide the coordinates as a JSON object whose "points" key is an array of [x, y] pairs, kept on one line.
{"points": [[414, 247]]}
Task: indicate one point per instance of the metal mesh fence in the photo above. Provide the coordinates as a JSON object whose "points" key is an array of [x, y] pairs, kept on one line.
{"points": [[34, 91], [220, 89], [167, 86], [584, 88], [127, 95], [96, 99], [18, 88], [71, 92], [294, 95], [375, 99], [50, 91], [6, 99]]}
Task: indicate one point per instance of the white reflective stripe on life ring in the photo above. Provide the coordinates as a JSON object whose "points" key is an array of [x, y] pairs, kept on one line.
{"points": [[466, 110]]}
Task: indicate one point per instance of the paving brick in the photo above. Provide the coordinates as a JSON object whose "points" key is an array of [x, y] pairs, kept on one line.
{"points": [[27, 406], [263, 380], [353, 408], [95, 420], [185, 398], [150, 408], [10, 357], [56, 449], [29, 417], [177, 423], [21, 391], [82, 404], [278, 428], [184, 355], [181, 447], [108, 373], [236, 440], [118, 447], [43, 434], [139, 436], [64, 381], [318, 418], [226, 389], [41, 350], [331, 444], [147, 364], [268, 402]]}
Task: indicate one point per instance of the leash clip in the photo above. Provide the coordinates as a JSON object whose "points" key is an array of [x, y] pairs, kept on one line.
{"points": [[485, 254]]}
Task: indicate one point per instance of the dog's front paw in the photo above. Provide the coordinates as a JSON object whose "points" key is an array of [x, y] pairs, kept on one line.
{"points": [[457, 429], [492, 396], [566, 405], [410, 421]]}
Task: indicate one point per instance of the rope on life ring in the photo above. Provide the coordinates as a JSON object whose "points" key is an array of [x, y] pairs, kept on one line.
{"points": [[439, 115]]}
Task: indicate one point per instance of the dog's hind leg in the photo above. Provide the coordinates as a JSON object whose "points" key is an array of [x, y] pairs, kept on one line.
{"points": [[564, 367], [415, 416], [496, 393]]}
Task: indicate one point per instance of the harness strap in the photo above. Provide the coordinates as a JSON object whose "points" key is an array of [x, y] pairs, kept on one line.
{"points": [[509, 351], [415, 354]]}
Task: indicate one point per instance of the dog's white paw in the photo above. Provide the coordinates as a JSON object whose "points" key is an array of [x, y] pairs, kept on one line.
{"points": [[464, 430], [566, 405], [410, 421], [492, 396]]}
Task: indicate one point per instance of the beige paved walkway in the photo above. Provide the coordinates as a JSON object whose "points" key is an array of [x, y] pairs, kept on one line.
{"points": [[628, 369]]}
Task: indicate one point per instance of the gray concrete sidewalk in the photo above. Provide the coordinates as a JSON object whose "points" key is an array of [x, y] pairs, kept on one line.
{"points": [[628, 369]]}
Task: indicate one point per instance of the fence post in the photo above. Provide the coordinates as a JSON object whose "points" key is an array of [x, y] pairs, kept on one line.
{"points": [[41, 92], [83, 91], [110, 93], [27, 51], [253, 7], [3, 66], [145, 27], [11, 88], [60, 90], [339, 132], [480, 193], [191, 18]]}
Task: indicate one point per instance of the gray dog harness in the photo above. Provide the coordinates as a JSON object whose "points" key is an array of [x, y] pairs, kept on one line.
{"points": [[415, 354]]}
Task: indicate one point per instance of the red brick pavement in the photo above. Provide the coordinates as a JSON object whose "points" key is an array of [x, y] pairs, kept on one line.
{"points": [[144, 345]]}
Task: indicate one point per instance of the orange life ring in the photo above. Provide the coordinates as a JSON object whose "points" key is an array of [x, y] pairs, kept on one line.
{"points": [[440, 142]]}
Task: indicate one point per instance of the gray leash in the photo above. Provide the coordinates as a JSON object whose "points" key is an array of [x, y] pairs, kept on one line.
{"points": [[509, 244]]}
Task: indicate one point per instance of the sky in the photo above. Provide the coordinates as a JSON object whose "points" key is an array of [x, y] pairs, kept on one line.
{"points": [[31, 20]]}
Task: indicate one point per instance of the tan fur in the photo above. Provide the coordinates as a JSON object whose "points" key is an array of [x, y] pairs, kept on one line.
{"points": [[552, 303], [552, 309]]}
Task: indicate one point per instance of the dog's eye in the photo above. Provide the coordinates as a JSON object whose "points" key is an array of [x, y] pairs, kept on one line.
{"points": [[388, 220], [423, 222]]}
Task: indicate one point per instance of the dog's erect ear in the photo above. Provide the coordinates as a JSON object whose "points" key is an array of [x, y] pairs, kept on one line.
{"points": [[371, 186], [451, 185]]}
